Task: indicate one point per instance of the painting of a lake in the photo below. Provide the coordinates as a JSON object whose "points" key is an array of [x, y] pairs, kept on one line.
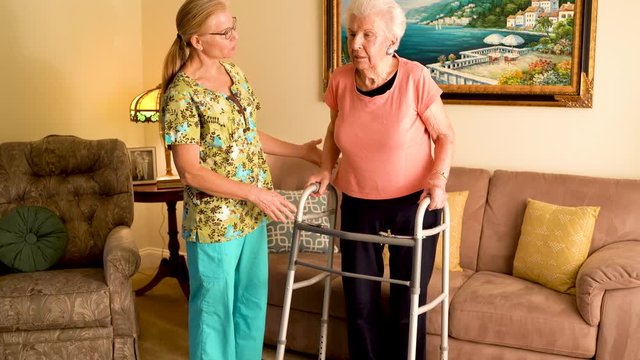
{"points": [[425, 43]]}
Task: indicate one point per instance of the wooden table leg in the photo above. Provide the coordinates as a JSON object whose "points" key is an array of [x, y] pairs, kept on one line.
{"points": [[175, 266]]}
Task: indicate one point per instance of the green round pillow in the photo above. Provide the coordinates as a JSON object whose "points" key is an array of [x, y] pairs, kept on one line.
{"points": [[32, 238]]}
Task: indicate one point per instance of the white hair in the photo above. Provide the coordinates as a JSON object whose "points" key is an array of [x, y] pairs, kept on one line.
{"points": [[388, 11]]}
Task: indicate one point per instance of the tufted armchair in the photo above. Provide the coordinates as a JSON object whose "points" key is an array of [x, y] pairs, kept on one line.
{"points": [[83, 306]]}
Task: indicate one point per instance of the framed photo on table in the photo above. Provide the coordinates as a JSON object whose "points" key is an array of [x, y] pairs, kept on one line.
{"points": [[508, 52], [143, 165]]}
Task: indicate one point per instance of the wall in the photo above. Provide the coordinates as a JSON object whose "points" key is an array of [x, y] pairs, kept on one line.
{"points": [[73, 66], [69, 67]]}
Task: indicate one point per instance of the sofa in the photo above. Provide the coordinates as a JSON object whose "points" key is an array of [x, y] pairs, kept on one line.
{"points": [[80, 306], [493, 314]]}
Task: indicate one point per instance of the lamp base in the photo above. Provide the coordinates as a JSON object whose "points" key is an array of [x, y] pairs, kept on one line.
{"points": [[167, 161], [169, 182]]}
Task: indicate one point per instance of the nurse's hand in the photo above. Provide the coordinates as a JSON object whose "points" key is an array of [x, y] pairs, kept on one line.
{"points": [[273, 204]]}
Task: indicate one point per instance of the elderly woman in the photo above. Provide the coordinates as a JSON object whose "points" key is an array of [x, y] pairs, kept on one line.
{"points": [[386, 113]]}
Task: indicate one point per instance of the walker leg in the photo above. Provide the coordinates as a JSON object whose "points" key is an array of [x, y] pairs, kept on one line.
{"points": [[324, 321], [415, 295], [444, 329], [288, 292], [284, 320]]}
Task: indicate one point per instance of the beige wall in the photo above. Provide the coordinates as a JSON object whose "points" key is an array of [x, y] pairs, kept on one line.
{"points": [[73, 66], [69, 67]]}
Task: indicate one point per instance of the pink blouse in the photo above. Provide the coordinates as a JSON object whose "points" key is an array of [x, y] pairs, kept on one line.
{"points": [[385, 145]]}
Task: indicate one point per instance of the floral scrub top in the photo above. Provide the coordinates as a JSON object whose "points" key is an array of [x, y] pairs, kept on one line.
{"points": [[229, 145]]}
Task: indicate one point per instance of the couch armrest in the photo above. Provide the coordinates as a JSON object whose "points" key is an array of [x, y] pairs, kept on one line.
{"points": [[121, 256], [121, 261], [614, 266]]}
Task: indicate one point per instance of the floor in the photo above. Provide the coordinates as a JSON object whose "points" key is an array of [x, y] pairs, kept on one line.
{"points": [[162, 314], [269, 353]]}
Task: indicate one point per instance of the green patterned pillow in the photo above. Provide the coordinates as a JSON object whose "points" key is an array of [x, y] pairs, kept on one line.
{"points": [[32, 238], [279, 234]]}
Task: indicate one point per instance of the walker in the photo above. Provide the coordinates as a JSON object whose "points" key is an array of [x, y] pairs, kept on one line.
{"points": [[383, 238]]}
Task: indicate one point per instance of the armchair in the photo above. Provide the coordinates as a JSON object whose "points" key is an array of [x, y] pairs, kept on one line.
{"points": [[83, 306]]}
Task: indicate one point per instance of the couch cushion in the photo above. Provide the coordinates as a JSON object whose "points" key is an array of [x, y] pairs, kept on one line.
{"points": [[468, 350], [499, 309], [32, 238], [54, 299], [476, 181], [554, 243], [456, 280], [618, 200]]}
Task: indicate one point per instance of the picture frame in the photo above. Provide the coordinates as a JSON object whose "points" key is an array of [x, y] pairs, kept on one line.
{"points": [[143, 165], [558, 71]]}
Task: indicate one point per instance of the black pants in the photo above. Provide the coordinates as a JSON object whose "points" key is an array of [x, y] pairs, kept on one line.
{"points": [[371, 335]]}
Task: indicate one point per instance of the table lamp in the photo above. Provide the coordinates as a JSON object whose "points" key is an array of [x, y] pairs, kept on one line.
{"points": [[145, 108]]}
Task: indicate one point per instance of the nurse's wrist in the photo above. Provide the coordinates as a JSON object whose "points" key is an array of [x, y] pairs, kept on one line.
{"points": [[252, 193]]}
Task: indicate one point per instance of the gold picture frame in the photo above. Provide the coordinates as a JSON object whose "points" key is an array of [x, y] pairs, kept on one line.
{"points": [[578, 75]]}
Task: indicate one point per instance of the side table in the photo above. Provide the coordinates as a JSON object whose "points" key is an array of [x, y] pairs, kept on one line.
{"points": [[175, 266]]}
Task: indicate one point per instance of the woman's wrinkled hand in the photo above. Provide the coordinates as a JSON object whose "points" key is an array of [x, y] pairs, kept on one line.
{"points": [[273, 204], [323, 178], [435, 189]]}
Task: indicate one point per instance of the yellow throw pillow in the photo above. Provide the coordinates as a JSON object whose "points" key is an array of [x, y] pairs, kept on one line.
{"points": [[554, 242], [457, 201]]}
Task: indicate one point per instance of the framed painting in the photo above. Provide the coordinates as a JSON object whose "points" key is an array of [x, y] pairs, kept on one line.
{"points": [[496, 52], [143, 165]]}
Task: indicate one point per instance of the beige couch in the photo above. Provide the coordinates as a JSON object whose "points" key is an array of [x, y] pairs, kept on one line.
{"points": [[82, 307], [494, 315]]}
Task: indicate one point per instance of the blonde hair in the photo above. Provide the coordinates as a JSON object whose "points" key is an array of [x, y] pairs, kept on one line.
{"points": [[189, 20], [388, 11]]}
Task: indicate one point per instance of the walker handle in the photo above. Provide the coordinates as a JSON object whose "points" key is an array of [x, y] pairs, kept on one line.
{"points": [[311, 188]]}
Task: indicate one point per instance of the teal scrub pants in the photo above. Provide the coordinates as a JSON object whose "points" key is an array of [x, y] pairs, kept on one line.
{"points": [[228, 301]]}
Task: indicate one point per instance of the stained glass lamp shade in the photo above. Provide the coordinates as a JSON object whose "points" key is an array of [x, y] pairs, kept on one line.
{"points": [[145, 108]]}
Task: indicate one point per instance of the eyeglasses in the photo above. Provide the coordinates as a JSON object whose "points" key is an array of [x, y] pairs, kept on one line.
{"points": [[227, 32]]}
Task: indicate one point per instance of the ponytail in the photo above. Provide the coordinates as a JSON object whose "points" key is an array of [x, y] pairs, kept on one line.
{"points": [[173, 61]]}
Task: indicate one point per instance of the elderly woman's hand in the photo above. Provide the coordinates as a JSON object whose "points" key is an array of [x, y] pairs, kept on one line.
{"points": [[323, 178], [435, 189]]}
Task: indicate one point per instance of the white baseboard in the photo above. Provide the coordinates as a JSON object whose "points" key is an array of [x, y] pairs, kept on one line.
{"points": [[150, 257]]}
